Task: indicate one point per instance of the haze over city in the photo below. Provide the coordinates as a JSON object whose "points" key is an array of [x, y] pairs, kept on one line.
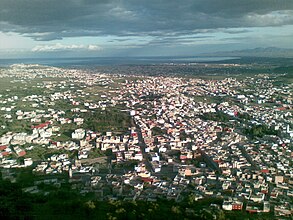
{"points": [[80, 28]]}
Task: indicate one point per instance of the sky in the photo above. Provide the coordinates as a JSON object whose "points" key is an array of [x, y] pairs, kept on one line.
{"points": [[93, 28]]}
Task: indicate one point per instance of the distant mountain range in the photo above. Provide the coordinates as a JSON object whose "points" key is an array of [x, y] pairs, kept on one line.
{"points": [[256, 52]]}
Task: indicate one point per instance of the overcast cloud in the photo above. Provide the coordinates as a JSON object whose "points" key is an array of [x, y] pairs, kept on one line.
{"points": [[163, 20]]}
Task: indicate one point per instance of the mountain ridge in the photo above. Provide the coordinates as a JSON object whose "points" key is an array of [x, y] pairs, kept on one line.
{"points": [[256, 52]]}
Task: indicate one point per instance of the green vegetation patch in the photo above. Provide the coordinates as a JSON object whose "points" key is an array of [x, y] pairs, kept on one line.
{"points": [[260, 131], [217, 116], [111, 119]]}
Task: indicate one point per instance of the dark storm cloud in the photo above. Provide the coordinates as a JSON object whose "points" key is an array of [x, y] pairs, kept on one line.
{"points": [[56, 19]]}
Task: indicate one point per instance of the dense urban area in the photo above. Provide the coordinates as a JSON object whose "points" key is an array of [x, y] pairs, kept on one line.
{"points": [[86, 143]]}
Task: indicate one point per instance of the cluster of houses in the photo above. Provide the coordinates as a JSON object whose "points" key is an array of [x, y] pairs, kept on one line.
{"points": [[174, 144], [247, 170]]}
